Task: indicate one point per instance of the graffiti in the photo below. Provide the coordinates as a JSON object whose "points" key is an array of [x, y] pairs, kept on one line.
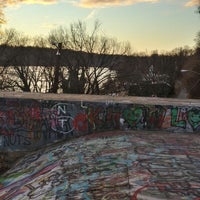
{"points": [[194, 118], [32, 123], [118, 166], [1, 140], [16, 140], [178, 118], [15, 115], [80, 122], [97, 118], [155, 117], [61, 119], [134, 117]]}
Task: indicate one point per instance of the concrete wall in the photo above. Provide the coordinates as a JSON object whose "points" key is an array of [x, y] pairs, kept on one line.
{"points": [[29, 121]]}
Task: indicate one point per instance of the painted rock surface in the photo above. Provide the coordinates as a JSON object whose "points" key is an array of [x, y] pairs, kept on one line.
{"points": [[111, 165]]}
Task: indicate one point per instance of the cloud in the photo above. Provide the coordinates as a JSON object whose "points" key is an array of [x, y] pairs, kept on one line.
{"points": [[2, 18], [192, 3], [8, 3], [91, 15], [108, 3]]}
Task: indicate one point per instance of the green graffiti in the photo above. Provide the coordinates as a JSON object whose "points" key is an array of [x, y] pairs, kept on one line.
{"points": [[194, 118], [175, 119], [133, 116]]}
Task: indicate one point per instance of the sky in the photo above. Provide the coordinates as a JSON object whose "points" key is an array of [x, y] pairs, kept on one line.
{"points": [[148, 25]]}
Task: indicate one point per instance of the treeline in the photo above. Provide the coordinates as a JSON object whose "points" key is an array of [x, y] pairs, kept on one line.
{"points": [[72, 60]]}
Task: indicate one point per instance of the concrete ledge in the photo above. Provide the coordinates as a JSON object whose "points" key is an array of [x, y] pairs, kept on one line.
{"points": [[101, 98], [29, 121]]}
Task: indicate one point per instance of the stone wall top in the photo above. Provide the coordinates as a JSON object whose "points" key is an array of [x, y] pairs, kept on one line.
{"points": [[102, 98], [30, 121]]}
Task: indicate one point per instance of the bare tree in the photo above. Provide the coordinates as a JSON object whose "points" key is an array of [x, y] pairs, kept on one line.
{"points": [[8, 36], [11, 37], [95, 57], [20, 76]]}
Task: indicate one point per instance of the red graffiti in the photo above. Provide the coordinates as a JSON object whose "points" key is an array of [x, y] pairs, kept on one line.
{"points": [[97, 119], [80, 122]]}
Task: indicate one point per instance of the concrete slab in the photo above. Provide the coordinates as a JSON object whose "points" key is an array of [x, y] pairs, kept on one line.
{"points": [[102, 98], [112, 165]]}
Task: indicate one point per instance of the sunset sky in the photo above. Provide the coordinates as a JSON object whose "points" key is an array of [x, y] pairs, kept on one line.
{"points": [[147, 24]]}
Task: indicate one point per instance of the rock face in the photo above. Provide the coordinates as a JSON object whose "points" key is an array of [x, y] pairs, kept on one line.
{"points": [[32, 121], [111, 165]]}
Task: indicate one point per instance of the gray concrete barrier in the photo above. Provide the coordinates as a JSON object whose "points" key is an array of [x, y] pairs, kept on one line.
{"points": [[29, 121]]}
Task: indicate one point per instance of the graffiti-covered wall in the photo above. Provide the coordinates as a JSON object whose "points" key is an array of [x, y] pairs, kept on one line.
{"points": [[32, 123]]}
